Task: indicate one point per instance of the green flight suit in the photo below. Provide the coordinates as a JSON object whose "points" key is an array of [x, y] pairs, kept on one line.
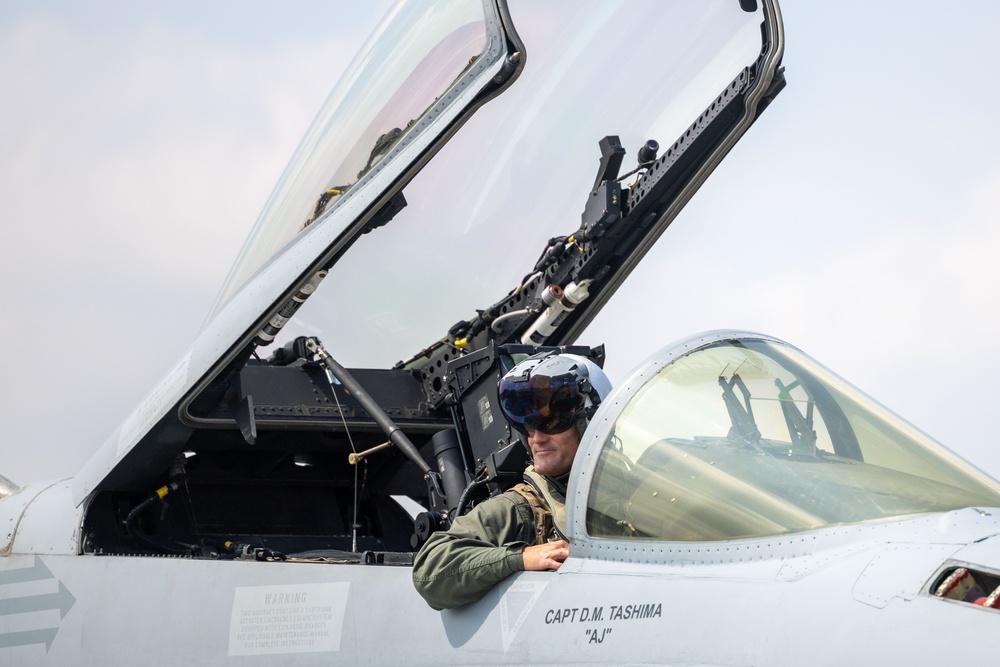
{"points": [[485, 546]]}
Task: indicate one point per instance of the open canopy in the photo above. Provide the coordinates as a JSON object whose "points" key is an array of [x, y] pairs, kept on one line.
{"points": [[407, 232]]}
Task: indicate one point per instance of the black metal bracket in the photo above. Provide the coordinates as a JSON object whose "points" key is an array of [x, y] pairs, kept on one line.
{"points": [[241, 405]]}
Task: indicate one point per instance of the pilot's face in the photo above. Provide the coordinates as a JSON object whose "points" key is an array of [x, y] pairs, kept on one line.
{"points": [[553, 453]]}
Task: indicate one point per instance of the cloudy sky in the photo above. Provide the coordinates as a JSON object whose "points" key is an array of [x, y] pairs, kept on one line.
{"points": [[138, 142]]}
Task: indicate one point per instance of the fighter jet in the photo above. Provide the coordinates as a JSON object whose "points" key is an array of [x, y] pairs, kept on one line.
{"points": [[732, 503]]}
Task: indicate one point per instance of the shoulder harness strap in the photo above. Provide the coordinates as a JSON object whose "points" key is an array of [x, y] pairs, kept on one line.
{"points": [[544, 528], [548, 506]]}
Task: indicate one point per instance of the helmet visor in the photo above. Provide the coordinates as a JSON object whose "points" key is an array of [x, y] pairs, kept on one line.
{"points": [[540, 403]]}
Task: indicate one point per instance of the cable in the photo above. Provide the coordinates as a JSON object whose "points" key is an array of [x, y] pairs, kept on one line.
{"points": [[354, 451]]}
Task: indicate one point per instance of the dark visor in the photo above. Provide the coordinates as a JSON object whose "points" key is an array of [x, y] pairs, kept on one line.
{"points": [[546, 404]]}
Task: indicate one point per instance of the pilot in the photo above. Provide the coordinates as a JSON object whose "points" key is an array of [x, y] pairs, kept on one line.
{"points": [[549, 398]]}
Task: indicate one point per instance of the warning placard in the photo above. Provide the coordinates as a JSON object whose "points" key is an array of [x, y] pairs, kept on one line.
{"points": [[304, 618]]}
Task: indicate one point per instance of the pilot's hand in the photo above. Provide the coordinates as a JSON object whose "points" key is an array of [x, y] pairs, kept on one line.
{"points": [[546, 556]]}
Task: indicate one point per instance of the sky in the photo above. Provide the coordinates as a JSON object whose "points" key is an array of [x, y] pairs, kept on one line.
{"points": [[138, 143]]}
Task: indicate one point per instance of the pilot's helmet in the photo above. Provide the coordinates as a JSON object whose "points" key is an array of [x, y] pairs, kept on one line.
{"points": [[552, 392]]}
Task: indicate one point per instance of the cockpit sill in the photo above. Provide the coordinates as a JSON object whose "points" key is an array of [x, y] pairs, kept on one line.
{"points": [[792, 556], [952, 557]]}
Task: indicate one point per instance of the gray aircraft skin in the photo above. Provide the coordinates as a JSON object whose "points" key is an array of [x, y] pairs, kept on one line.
{"points": [[732, 502]]}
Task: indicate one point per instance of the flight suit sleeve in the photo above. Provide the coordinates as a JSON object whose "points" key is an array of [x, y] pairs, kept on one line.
{"points": [[482, 548]]}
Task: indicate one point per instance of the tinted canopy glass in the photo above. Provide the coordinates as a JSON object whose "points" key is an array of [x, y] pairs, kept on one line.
{"points": [[521, 170], [410, 63], [749, 438]]}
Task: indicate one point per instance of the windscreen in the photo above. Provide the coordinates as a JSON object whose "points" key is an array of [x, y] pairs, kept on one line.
{"points": [[749, 438]]}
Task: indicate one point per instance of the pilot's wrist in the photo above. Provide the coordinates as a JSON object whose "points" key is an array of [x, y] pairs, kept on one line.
{"points": [[515, 556]]}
